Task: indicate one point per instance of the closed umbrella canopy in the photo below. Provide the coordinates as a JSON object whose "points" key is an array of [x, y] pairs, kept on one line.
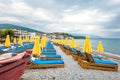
{"points": [[78, 44], [36, 48], [87, 45], [20, 40], [26, 38], [32, 40], [66, 41], [7, 41], [100, 47], [43, 41], [15, 41], [72, 43]]}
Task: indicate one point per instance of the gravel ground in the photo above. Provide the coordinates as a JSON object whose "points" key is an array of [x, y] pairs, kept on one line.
{"points": [[71, 71]]}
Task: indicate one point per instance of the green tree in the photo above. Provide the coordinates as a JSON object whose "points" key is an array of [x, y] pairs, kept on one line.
{"points": [[1, 33], [9, 32]]}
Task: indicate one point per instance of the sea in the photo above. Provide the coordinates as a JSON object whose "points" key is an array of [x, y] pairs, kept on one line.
{"points": [[110, 45]]}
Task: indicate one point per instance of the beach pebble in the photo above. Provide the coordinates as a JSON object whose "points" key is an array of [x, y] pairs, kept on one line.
{"points": [[71, 71]]}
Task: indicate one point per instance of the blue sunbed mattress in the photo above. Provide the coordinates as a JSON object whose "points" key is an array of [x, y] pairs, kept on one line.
{"points": [[74, 50], [37, 61], [48, 50], [67, 47], [105, 62], [49, 53], [53, 56], [94, 56]]}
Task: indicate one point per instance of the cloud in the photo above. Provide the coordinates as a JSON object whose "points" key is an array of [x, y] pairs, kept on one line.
{"points": [[86, 16], [9, 19], [114, 2], [42, 14], [80, 16]]}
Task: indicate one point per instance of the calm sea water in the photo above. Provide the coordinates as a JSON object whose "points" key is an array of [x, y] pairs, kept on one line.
{"points": [[110, 45]]}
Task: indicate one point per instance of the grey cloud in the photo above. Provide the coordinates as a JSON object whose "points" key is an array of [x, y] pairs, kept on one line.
{"points": [[56, 8]]}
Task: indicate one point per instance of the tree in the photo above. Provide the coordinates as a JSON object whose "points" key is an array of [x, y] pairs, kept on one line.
{"points": [[1, 33], [9, 32]]}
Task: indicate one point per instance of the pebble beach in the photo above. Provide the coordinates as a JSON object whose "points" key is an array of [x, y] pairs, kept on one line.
{"points": [[71, 71]]}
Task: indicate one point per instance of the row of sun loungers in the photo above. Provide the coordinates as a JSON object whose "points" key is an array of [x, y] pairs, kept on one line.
{"points": [[16, 48], [13, 62], [47, 59], [89, 61]]}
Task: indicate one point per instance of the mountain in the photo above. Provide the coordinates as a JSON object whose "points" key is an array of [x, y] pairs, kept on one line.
{"points": [[5, 26], [68, 35], [83, 35]]}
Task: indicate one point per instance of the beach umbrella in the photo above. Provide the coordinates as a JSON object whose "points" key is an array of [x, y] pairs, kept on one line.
{"points": [[100, 47], [78, 44], [87, 45], [31, 40], [43, 41], [26, 38], [23, 40], [72, 43], [66, 41], [7, 41], [14, 40], [36, 48], [20, 40], [63, 42]]}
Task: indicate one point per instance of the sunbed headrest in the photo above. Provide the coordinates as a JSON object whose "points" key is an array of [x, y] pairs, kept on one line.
{"points": [[89, 57]]}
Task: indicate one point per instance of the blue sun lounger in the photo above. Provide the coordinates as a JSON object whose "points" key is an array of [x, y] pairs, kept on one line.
{"points": [[51, 57], [94, 56], [36, 63], [100, 64]]}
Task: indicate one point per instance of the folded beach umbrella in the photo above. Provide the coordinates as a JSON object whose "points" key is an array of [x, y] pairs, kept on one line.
{"points": [[26, 38], [43, 41], [63, 42], [66, 42], [78, 44], [72, 43], [100, 47], [31, 40], [20, 40], [87, 45], [14, 40], [7, 41], [23, 40], [36, 48]]}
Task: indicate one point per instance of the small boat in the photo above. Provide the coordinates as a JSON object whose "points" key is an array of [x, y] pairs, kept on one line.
{"points": [[14, 67]]}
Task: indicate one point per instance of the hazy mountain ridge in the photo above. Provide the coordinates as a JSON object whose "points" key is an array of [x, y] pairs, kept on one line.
{"points": [[18, 27]]}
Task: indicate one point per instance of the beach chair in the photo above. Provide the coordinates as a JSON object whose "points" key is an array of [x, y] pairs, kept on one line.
{"points": [[56, 44], [50, 57], [47, 55], [37, 63], [100, 64], [48, 50], [66, 50], [14, 67], [75, 53]]}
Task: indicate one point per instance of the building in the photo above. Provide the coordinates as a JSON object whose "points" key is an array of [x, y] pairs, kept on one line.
{"points": [[23, 33]]}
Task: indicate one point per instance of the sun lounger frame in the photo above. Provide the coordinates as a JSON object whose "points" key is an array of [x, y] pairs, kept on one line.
{"points": [[92, 65], [31, 65]]}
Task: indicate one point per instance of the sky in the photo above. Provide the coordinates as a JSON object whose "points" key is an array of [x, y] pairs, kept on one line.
{"points": [[96, 17]]}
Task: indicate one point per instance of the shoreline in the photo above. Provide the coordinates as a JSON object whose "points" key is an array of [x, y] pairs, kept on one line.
{"points": [[107, 54]]}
